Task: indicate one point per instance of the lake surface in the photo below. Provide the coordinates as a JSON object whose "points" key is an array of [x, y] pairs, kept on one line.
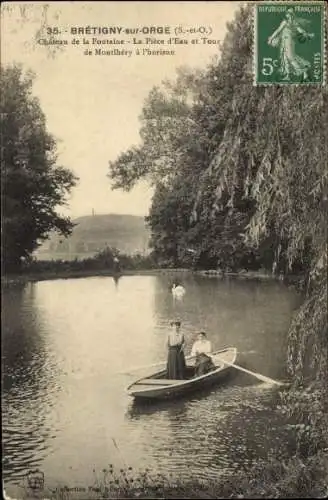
{"points": [[69, 345]]}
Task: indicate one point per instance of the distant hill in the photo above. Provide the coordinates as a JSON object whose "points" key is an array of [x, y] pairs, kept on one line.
{"points": [[127, 233]]}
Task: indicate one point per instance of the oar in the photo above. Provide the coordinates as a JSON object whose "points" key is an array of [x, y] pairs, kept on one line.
{"points": [[263, 378]]}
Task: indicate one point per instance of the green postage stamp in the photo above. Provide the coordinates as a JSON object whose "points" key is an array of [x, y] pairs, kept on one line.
{"points": [[289, 43]]}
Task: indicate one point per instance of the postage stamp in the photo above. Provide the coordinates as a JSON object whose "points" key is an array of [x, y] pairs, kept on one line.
{"points": [[289, 43]]}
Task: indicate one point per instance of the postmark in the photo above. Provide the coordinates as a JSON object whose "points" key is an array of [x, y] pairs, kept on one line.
{"points": [[35, 480], [289, 43]]}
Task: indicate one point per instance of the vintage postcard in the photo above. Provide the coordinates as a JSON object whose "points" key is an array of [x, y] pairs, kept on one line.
{"points": [[164, 227]]}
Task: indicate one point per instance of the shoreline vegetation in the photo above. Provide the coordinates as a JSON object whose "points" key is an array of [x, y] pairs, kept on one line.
{"points": [[67, 274], [103, 264], [272, 478], [64, 270]]}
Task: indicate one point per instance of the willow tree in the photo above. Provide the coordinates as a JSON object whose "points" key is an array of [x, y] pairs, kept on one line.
{"points": [[274, 151]]}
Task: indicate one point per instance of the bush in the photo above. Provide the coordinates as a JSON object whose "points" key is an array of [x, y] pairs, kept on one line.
{"points": [[102, 261]]}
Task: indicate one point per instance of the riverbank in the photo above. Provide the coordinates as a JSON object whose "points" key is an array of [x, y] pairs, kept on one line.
{"points": [[31, 277], [292, 478], [71, 274]]}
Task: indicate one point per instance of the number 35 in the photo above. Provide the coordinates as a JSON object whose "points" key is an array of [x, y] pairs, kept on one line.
{"points": [[52, 31], [268, 65]]}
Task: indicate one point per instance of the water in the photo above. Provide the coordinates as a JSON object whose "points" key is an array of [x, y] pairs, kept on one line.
{"points": [[68, 348]]}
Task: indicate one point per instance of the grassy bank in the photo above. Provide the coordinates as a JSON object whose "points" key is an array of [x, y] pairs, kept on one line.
{"points": [[137, 265], [293, 478], [28, 276], [66, 274], [110, 262]]}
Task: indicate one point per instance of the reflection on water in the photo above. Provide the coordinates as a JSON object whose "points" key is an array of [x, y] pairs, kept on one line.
{"points": [[30, 377], [68, 347], [116, 279], [224, 429]]}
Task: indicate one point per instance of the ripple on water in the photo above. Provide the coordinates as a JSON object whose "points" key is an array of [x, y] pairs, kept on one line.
{"points": [[64, 399], [223, 433]]}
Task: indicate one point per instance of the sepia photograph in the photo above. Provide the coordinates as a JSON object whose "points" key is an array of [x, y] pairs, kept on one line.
{"points": [[164, 201]]}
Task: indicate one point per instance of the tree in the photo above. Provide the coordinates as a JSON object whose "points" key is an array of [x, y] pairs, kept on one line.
{"points": [[170, 156], [169, 135], [273, 154], [33, 186]]}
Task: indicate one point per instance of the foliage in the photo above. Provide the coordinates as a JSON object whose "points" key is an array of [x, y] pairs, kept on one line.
{"points": [[101, 261], [230, 164], [306, 403], [293, 478], [268, 156], [33, 186], [194, 220], [168, 134], [171, 154]]}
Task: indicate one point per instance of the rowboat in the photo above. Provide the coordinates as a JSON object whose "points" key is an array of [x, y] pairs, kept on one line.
{"points": [[156, 386]]}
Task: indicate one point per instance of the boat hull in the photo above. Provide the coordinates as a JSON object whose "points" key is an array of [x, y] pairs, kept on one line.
{"points": [[175, 392], [176, 389]]}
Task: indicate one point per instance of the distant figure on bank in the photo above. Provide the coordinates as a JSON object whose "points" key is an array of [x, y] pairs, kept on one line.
{"points": [[202, 349], [178, 291], [117, 266], [176, 363]]}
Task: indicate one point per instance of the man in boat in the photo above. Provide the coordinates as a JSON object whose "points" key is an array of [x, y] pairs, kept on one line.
{"points": [[176, 363], [202, 349]]}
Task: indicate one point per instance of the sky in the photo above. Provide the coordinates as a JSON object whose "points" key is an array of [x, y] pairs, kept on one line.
{"points": [[92, 102]]}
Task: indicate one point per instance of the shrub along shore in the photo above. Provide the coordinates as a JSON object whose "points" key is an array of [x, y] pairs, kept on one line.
{"points": [[293, 478], [65, 270], [103, 264]]}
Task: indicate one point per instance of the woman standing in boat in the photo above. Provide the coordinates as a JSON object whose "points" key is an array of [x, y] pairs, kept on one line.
{"points": [[176, 363]]}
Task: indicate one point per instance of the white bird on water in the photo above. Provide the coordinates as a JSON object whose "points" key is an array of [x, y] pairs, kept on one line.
{"points": [[178, 291]]}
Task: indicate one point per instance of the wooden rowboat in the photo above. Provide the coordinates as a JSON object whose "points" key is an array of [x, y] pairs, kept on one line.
{"points": [[156, 386]]}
